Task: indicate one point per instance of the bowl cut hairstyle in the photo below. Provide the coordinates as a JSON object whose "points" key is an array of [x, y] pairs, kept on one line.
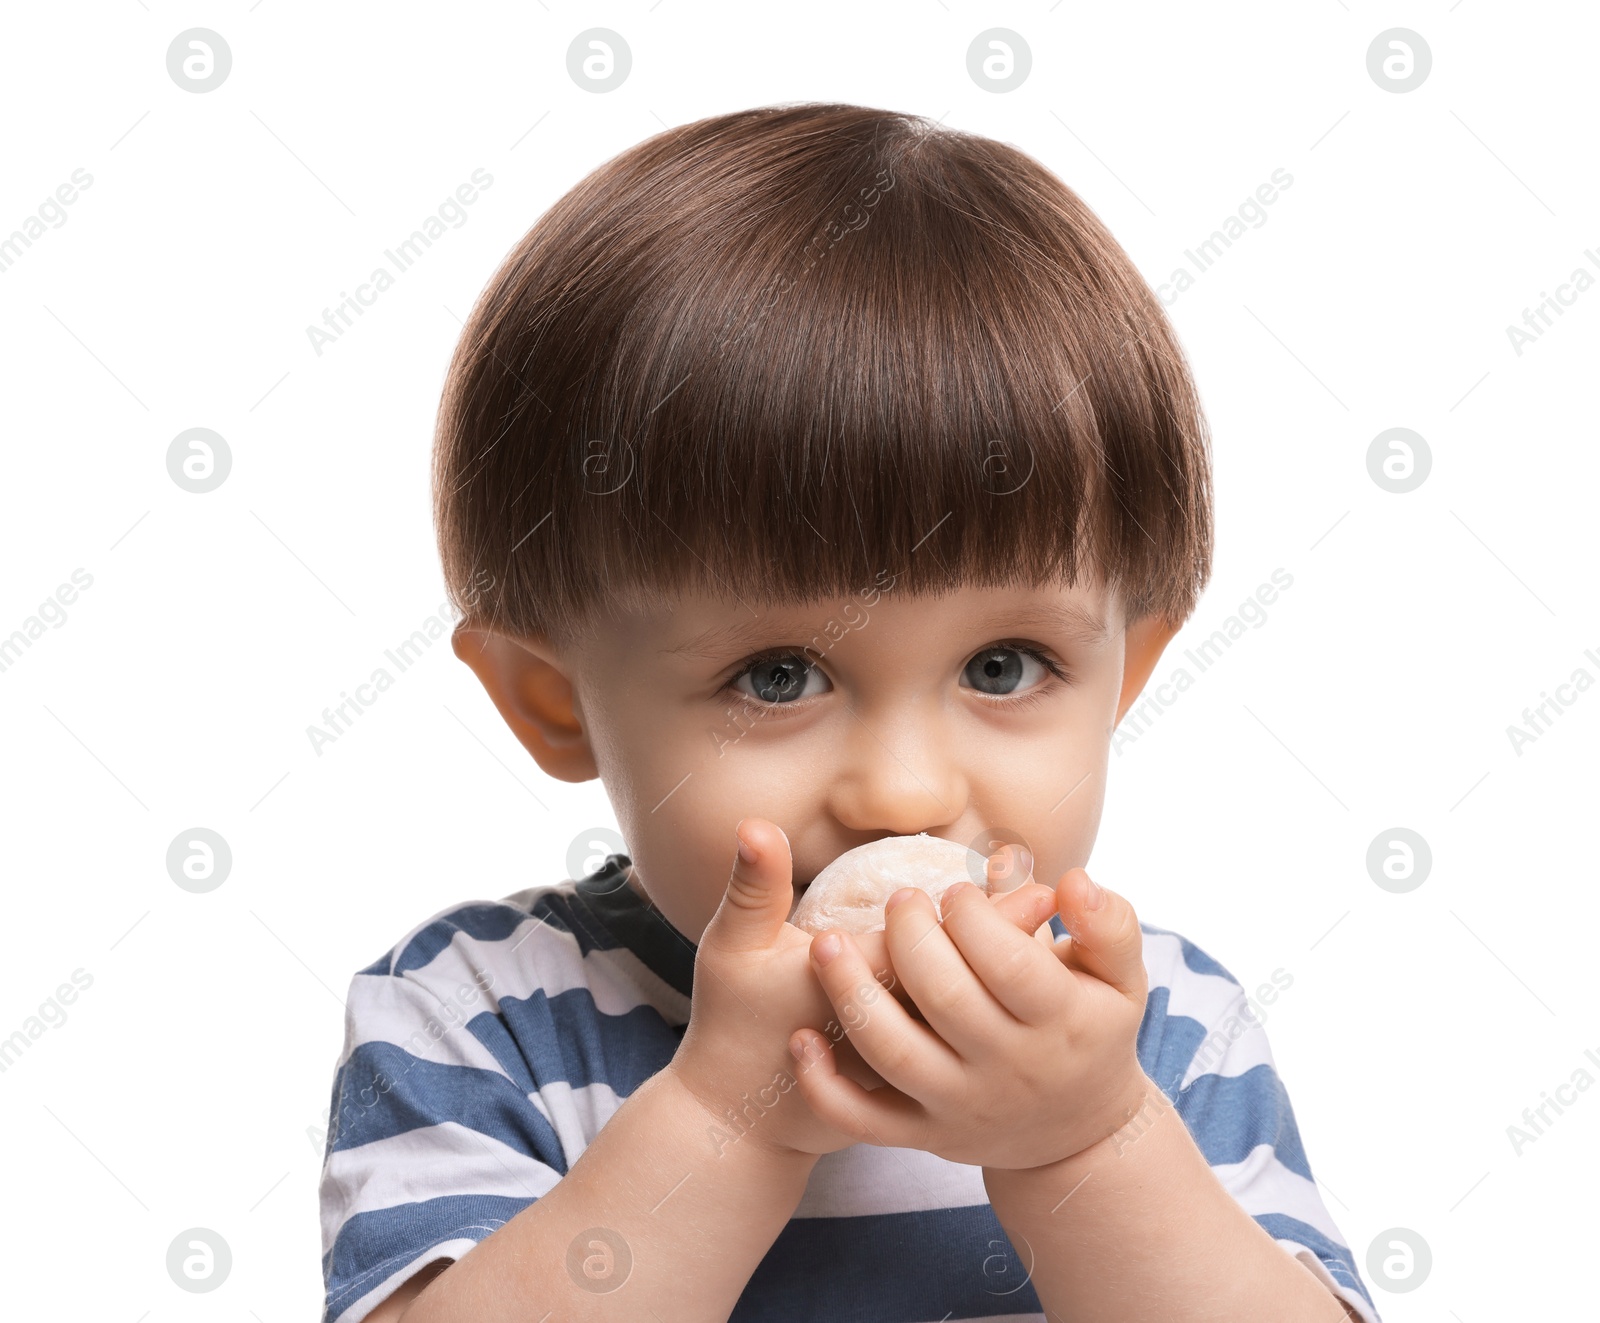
{"points": [[798, 351]]}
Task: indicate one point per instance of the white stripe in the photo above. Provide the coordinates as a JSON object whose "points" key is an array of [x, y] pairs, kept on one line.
{"points": [[1262, 1184], [384, 1009], [539, 957], [428, 1163], [994, 1318], [867, 1179], [1202, 997], [1222, 1007], [1234, 1043]]}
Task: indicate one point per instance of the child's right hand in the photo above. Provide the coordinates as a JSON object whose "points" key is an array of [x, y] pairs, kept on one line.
{"points": [[754, 986]]}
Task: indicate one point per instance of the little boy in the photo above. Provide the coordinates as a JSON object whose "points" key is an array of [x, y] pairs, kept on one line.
{"points": [[813, 475]]}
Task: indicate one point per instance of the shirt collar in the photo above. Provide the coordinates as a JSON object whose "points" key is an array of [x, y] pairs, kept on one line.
{"points": [[637, 923]]}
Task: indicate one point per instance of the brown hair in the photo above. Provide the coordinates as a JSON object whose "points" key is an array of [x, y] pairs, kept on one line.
{"points": [[780, 353]]}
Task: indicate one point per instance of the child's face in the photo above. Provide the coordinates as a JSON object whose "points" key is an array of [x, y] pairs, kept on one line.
{"points": [[919, 715]]}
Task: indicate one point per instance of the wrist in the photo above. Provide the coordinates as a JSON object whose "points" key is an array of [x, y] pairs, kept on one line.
{"points": [[1136, 1110], [726, 1128]]}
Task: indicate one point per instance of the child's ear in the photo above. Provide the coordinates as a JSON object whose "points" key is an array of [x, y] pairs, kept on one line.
{"points": [[1145, 641], [534, 697]]}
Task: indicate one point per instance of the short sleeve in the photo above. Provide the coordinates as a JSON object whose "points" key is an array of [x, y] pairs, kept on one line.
{"points": [[433, 1141], [1215, 1065]]}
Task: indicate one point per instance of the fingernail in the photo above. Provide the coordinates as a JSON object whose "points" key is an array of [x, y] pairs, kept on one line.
{"points": [[1024, 864], [745, 851], [826, 947], [903, 894], [1095, 896], [797, 1048]]}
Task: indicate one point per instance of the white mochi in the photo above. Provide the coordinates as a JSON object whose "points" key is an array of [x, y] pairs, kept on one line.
{"points": [[849, 893]]}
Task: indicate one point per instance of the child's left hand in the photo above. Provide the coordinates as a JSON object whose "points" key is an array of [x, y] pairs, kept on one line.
{"points": [[1028, 1054]]}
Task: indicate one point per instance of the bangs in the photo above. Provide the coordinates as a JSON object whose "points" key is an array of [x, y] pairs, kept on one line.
{"points": [[789, 354]]}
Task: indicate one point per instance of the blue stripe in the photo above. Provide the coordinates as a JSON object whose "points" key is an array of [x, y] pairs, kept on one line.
{"points": [[385, 1091], [1167, 1043], [372, 1245], [1229, 1115], [490, 1030], [567, 1038], [950, 1263], [1336, 1258]]}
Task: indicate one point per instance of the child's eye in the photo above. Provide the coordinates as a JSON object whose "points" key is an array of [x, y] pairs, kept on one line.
{"points": [[782, 676], [1001, 667], [778, 677]]}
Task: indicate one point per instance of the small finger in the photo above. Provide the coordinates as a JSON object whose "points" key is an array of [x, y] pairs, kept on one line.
{"points": [[1019, 972], [951, 997], [1106, 939], [882, 1116], [906, 1053]]}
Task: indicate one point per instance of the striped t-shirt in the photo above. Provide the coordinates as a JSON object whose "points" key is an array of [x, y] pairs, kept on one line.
{"points": [[485, 1051]]}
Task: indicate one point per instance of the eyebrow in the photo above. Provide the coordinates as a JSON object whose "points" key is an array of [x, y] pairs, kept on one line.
{"points": [[1065, 618]]}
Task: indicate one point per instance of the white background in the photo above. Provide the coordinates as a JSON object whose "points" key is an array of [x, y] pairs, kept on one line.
{"points": [[180, 1090]]}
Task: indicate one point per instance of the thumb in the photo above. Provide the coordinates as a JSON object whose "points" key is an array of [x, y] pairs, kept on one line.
{"points": [[1106, 941], [760, 889]]}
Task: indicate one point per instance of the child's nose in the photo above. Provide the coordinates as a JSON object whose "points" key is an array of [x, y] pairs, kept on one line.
{"points": [[898, 778]]}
